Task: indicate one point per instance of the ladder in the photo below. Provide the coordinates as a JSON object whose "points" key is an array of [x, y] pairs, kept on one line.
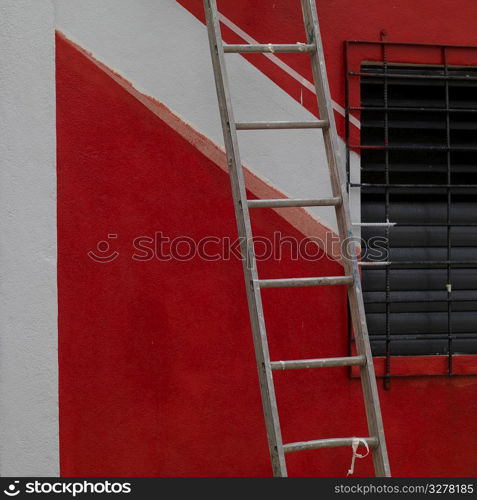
{"points": [[351, 279]]}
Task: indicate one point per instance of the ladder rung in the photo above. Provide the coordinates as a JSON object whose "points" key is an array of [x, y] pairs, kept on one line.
{"points": [[325, 202], [270, 48], [280, 125], [328, 280], [318, 363], [327, 443]]}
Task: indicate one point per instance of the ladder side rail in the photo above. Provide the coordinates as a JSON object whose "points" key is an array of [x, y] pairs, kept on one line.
{"points": [[368, 379], [246, 243]]}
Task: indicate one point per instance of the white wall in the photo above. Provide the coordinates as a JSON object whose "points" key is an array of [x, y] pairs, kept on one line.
{"points": [[163, 50], [28, 335]]}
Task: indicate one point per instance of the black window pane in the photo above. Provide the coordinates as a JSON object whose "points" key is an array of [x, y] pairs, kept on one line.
{"points": [[426, 301]]}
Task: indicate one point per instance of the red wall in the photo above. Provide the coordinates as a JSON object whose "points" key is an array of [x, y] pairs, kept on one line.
{"points": [[157, 372]]}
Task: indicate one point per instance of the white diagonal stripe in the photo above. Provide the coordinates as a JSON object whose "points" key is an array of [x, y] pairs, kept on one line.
{"points": [[283, 66]]}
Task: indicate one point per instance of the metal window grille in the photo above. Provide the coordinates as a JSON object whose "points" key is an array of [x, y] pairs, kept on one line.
{"points": [[418, 180]]}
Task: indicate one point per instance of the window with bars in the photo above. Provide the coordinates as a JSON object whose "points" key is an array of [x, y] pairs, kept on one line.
{"points": [[419, 173]]}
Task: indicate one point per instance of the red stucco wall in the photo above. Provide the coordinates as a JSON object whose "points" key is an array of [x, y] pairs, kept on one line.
{"points": [[157, 373]]}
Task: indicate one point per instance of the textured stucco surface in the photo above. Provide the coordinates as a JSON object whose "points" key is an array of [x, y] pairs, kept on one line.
{"points": [[28, 337], [157, 338]]}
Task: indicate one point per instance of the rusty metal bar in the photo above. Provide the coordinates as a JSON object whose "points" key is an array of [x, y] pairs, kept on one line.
{"points": [[449, 204], [411, 186], [404, 76], [411, 44]]}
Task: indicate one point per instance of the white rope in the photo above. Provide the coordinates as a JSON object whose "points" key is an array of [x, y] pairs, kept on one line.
{"points": [[355, 445]]}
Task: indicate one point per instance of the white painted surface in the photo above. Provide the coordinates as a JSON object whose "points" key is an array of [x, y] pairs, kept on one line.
{"points": [[28, 298], [163, 50]]}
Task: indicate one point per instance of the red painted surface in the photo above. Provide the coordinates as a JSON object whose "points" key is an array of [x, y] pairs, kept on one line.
{"points": [[157, 374], [298, 217]]}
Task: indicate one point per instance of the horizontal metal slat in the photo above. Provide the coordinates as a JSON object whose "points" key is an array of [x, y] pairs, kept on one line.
{"points": [[411, 187], [374, 224], [318, 363], [404, 211], [410, 297], [269, 48], [412, 125], [374, 263], [424, 336], [327, 443], [422, 323], [277, 203], [429, 236], [424, 347], [293, 282], [417, 280], [409, 78], [432, 253], [422, 168], [280, 125]]}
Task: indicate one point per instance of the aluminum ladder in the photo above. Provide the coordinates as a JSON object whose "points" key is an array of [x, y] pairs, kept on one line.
{"points": [[363, 359]]}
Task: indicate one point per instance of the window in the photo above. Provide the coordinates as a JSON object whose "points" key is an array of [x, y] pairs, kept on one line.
{"points": [[418, 188]]}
